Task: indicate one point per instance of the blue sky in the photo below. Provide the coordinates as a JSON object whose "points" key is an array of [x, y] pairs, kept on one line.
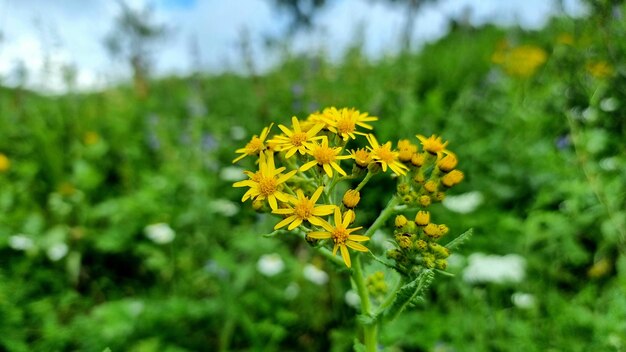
{"points": [[44, 35]]}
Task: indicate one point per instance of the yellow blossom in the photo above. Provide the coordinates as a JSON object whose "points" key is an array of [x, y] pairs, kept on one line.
{"points": [[255, 146], [341, 235], [383, 155], [452, 178], [266, 183], [406, 149], [326, 157], [447, 163], [345, 121], [433, 144], [91, 138], [522, 61], [5, 163], [296, 140], [422, 218], [304, 209], [600, 69], [361, 156]]}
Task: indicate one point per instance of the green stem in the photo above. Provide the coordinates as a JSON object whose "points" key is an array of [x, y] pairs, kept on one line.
{"points": [[370, 328], [365, 180], [384, 215], [390, 298]]}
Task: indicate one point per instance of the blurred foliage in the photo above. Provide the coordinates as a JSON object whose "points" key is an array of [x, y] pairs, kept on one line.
{"points": [[84, 174]]}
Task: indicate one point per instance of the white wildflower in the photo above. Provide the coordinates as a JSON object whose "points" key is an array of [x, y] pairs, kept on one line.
{"points": [[21, 242], [160, 233], [224, 207], [463, 203], [523, 300], [494, 268], [237, 133], [232, 174], [352, 299], [315, 275], [292, 291], [57, 251], [270, 264]]}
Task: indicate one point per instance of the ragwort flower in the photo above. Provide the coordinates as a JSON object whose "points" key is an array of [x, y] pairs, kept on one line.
{"points": [[344, 122], [266, 183], [255, 146], [304, 209], [342, 236], [326, 157], [295, 140], [433, 144], [383, 155]]}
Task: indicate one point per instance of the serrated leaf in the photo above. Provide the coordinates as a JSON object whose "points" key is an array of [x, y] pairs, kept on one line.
{"points": [[408, 292], [462, 238]]}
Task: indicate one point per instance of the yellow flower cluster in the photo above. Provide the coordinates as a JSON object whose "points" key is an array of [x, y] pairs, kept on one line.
{"points": [[521, 61], [432, 172], [297, 169]]}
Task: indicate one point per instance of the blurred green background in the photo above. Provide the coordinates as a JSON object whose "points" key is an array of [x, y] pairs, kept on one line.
{"points": [[119, 227]]}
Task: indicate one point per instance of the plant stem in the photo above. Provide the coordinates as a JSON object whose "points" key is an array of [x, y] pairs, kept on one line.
{"points": [[365, 180], [370, 329], [384, 215]]}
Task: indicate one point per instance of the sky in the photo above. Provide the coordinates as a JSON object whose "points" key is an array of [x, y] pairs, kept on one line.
{"points": [[43, 36]]}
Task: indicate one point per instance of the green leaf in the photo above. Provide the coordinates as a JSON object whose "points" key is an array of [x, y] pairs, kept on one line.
{"points": [[408, 293], [462, 238]]}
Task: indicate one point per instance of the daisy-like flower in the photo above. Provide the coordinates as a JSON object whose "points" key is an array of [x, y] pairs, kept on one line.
{"points": [[266, 183], [303, 209], [255, 146], [342, 236], [295, 140], [326, 157], [345, 121], [433, 144], [386, 157], [361, 156]]}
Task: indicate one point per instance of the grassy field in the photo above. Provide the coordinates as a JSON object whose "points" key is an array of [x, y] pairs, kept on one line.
{"points": [[537, 120]]}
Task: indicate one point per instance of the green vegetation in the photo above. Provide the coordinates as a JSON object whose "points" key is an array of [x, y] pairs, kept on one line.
{"points": [[541, 138]]}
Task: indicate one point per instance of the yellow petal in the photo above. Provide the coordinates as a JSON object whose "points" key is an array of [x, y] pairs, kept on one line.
{"points": [[272, 200], [357, 246], [308, 165], [295, 224], [317, 194], [346, 255], [319, 235], [358, 238], [284, 222]]}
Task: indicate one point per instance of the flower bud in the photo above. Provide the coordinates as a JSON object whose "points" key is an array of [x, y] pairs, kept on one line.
{"points": [[403, 241], [421, 245], [422, 218], [432, 230], [418, 159], [424, 201], [441, 264], [362, 157], [401, 220], [430, 186], [439, 196], [419, 177], [452, 178], [443, 229], [351, 198], [403, 188], [447, 163]]}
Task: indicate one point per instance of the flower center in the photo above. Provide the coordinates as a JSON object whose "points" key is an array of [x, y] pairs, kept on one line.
{"points": [[345, 125], [324, 155], [298, 138], [340, 235], [255, 145], [267, 186], [304, 209], [385, 154]]}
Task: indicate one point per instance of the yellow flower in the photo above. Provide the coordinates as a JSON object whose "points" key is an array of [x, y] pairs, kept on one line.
{"points": [[266, 183], [345, 121], [600, 69], [447, 163], [422, 218], [5, 163], [303, 209], [433, 144], [406, 149], [91, 138], [326, 157], [452, 178], [523, 61], [296, 140], [361, 156], [351, 198], [314, 119], [342, 236], [255, 146], [383, 155]]}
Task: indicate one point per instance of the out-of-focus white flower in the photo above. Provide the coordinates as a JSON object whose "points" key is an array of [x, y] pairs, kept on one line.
{"points": [[609, 164], [523, 300], [380, 238], [160, 233], [352, 299], [315, 275], [494, 268], [464, 203], [270, 264], [456, 262], [57, 251], [21, 242], [292, 291], [609, 104], [224, 207], [237, 133], [232, 174]]}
